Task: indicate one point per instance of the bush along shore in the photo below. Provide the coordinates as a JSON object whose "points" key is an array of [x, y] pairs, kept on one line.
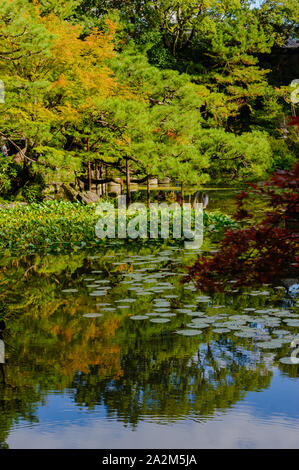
{"points": [[56, 225]]}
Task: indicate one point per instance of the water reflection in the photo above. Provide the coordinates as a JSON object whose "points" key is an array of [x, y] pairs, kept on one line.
{"points": [[137, 371], [170, 380], [2, 352]]}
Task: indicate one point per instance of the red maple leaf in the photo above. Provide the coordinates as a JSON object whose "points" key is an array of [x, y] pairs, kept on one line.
{"points": [[294, 121]]}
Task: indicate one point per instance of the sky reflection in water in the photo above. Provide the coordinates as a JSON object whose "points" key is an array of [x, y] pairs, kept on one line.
{"points": [[74, 380]]}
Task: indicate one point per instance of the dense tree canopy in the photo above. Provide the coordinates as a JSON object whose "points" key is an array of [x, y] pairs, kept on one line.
{"points": [[187, 89]]}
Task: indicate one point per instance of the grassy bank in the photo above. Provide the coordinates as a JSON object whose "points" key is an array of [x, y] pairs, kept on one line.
{"points": [[46, 226]]}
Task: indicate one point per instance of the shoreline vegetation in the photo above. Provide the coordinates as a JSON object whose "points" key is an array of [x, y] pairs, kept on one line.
{"points": [[51, 225], [97, 97]]}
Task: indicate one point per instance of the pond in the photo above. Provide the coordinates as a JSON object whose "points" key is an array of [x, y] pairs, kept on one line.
{"points": [[220, 198], [107, 348]]}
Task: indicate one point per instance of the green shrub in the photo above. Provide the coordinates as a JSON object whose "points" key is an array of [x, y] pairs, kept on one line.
{"points": [[50, 224]]}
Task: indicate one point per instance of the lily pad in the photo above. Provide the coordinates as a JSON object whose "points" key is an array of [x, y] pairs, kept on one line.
{"points": [[290, 360], [280, 332], [270, 344], [293, 323], [232, 326], [139, 317], [263, 311], [221, 330], [92, 315], [159, 320], [197, 325], [196, 314], [189, 332], [183, 310], [244, 334], [169, 314]]}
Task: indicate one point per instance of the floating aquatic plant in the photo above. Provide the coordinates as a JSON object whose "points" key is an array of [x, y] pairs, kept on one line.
{"points": [[92, 315], [159, 320], [139, 317], [188, 332]]}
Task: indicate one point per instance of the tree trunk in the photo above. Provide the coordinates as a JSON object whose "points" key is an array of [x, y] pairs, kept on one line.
{"points": [[182, 191], [101, 176], [97, 175], [148, 193], [89, 169], [89, 176], [106, 185], [128, 182]]}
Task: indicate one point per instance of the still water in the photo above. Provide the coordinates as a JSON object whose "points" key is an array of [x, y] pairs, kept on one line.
{"points": [[108, 349]]}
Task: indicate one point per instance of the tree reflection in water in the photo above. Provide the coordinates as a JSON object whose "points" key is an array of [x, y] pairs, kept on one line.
{"points": [[137, 370]]}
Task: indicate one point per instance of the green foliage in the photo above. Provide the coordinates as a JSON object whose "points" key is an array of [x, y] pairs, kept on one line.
{"points": [[284, 157], [236, 158], [184, 89], [32, 191], [51, 77], [8, 171], [56, 225], [61, 8]]}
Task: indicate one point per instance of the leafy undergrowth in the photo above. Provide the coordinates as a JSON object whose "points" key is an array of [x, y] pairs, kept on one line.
{"points": [[51, 225]]}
